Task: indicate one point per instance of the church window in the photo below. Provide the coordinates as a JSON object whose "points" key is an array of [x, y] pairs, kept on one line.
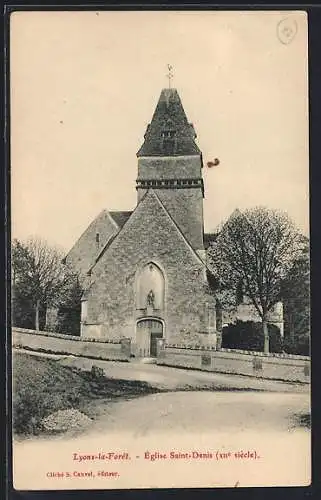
{"points": [[168, 134], [150, 287], [168, 140]]}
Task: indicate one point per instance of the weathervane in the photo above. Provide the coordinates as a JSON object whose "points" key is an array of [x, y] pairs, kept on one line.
{"points": [[169, 74]]}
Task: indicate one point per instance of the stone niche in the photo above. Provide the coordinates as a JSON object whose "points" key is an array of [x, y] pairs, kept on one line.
{"points": [[150, 289]]}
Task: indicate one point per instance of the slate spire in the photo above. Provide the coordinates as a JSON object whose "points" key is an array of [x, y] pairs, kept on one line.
{"points": [[169, 133]]}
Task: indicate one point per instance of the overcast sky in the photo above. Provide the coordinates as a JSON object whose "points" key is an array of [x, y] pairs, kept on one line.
{"points": [[84, 86]]}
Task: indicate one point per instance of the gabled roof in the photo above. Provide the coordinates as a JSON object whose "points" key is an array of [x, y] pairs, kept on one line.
{"points": [[149, 192], [106, 224], [178, 229], [103, 215], [169, 133], [120, 217]]}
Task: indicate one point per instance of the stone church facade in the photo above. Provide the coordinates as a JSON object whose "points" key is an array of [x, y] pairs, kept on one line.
{"points": [[145, 271]]}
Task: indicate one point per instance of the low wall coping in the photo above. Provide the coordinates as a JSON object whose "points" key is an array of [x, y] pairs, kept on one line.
{"points": [[67, 337], [238, 351]]}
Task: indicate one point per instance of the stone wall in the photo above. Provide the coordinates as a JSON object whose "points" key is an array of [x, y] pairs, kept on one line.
{"points": [[67, 344], [196, 339], [148, 236], [170, 167], [184, 205], [288, 367], [86, 248]]}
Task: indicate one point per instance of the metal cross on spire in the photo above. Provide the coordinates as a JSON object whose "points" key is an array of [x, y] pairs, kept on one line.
{"points": [[169, 74]]}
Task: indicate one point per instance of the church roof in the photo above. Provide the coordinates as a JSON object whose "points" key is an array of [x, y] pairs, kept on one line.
{"points": [[148, 193], [169, 133], [120, 217]]}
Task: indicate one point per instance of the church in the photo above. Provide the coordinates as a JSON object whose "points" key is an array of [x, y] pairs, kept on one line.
{"points": [[145, 271]]}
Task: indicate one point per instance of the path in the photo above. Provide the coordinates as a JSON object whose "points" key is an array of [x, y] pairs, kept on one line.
{"points": [[167, 378], [204, 411], [179, 421], [187, 423]]}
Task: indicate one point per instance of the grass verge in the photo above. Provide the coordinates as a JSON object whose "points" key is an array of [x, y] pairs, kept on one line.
{"points": [[41, 386]]}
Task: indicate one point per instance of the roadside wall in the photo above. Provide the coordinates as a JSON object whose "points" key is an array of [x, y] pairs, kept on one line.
{"points": [[286, 367], [118, 350]]}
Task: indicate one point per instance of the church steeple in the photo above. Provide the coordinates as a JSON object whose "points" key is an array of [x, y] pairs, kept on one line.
{"points": [[169, 133], [170, 163]]}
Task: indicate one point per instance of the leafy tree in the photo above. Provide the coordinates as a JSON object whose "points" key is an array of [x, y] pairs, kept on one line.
{"points": [[22, 309], [69, 312], [256, 248], [39, 279], [296, 300]]}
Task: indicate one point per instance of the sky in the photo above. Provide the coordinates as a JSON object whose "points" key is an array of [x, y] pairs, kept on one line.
{"points": [[84, 86]]}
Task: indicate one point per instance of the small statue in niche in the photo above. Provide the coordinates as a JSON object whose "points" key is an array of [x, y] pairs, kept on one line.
{"points": [[151, 299]]}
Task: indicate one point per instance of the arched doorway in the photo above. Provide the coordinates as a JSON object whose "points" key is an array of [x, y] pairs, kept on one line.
{"points": [[147, 332]]}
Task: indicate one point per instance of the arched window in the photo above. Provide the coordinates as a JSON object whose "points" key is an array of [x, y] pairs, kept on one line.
{"points": [[150, 287]]}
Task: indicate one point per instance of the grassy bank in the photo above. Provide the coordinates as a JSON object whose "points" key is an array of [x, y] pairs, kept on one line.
{"points": [[41, 386]]}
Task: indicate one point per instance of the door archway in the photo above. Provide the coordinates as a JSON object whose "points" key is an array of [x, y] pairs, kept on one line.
{"points": [[148, 330]]}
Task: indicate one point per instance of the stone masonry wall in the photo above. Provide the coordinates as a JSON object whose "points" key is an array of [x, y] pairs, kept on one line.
{"points": [[181, 167], [83, 253], [186, 208], [149, 235], [278, 367], [67, 344], [184, 205]]}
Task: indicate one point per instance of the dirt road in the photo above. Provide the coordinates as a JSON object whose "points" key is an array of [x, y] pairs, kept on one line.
{"points": [[166, 378], [201, 413]]}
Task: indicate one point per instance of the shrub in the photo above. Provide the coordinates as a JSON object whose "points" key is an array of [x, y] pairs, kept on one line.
{"points": [[248, 336], [97, 372], [26, 414], [299, 345]]}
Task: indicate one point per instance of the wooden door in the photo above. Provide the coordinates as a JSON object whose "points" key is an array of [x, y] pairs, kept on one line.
{"points": [[156, 332], [148, 331]]}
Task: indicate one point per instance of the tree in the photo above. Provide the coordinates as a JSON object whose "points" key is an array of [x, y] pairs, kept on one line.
{"points": [[255, 248], [69, 313], [296, 300], [38, 276], [22, 314]]}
